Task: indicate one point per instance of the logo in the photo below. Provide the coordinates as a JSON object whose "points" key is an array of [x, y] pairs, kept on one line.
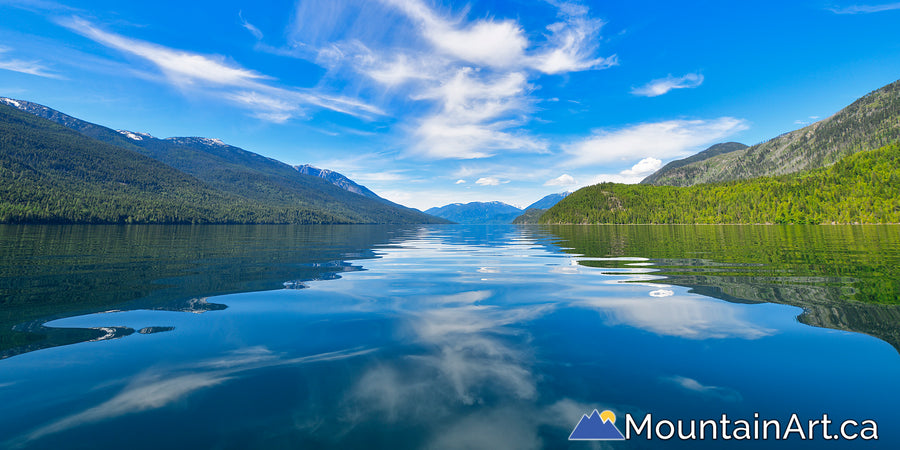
{"points": [[602, 427], [597, 427]]}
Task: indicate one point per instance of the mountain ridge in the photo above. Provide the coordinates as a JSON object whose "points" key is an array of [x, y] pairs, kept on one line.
{"points": [[715, 150], [236, 172], [338, 180], [870, 122]]}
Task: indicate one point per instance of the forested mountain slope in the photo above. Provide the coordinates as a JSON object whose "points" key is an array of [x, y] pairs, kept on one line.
{"points": [[871, 122], [231, 172], [715, 150], [861, 188]]}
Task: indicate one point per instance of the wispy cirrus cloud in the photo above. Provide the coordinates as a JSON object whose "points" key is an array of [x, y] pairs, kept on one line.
{"points": [[659, 140], [662, 86], [468, 85], [250, 27], [864, 9], [154, 389], [37, 5], [29, 67], [194, 72]]}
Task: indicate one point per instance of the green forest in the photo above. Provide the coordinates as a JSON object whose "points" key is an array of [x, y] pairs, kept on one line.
{"points": [[53, 174], [861, 188]]}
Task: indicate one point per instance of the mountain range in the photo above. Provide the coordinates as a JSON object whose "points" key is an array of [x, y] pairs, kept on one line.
{"points": [[492, 213], [57, 168], [477, 213]]}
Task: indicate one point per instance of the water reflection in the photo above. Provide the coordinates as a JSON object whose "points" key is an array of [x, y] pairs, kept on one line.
{"points": [[49, 272], [434, 337], [844, 277]]}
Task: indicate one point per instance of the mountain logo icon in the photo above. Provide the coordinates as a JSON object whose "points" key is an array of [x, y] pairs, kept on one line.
{"points": [[597, 427]]}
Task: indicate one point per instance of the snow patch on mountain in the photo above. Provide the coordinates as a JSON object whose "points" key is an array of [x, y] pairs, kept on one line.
{"points": [[135, 136], [10, 102], [212, 142]]}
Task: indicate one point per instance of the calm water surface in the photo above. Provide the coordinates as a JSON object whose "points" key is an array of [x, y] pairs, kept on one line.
{"points": [[439, 336]]}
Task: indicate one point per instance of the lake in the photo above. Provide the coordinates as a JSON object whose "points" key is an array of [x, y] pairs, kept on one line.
{"points": [[443, 336]]}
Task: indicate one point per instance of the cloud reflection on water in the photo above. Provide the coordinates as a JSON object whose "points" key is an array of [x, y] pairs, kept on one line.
{"points": [[686, 316], [462, 365], [157, 388]]}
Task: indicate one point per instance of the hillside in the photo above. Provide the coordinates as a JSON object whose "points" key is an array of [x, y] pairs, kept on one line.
{"points": [[871, 122], [715, 150], [477, 213], [531, 216], [861, 188], [230, 172], [49, 173]]}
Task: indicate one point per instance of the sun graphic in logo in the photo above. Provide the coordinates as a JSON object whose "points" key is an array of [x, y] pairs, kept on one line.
{"points": [[608, 416], [597, 427]]}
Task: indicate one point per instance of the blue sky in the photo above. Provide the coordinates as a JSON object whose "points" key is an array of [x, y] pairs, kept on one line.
{"points": [[429, 102]]}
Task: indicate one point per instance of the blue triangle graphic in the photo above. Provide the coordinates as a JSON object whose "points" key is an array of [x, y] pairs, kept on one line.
{"points": [[593, 428]]}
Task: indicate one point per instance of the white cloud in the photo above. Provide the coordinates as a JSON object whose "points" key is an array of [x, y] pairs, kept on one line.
{"points": [[471, 76], [460, 182], [216, 76], [660, 140], [662, 86], [183, 68], [401, 70], [485, 42], [865, 9], [633, 175], [562, 180], [474, 119], [572, 43], [28, 67], [489, 43], [249, 27], [643, 168], [489, 181], [266, 107]]}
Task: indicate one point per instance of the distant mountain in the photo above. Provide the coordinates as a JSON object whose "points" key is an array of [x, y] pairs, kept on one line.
{"points": [[478, 213], [337, 180], [715, 150], [270, 190], [535, 210], [871, 122], [548, 201]]}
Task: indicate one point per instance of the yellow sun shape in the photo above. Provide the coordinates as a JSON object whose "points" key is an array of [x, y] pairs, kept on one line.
{"points": [[608, 416]]}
